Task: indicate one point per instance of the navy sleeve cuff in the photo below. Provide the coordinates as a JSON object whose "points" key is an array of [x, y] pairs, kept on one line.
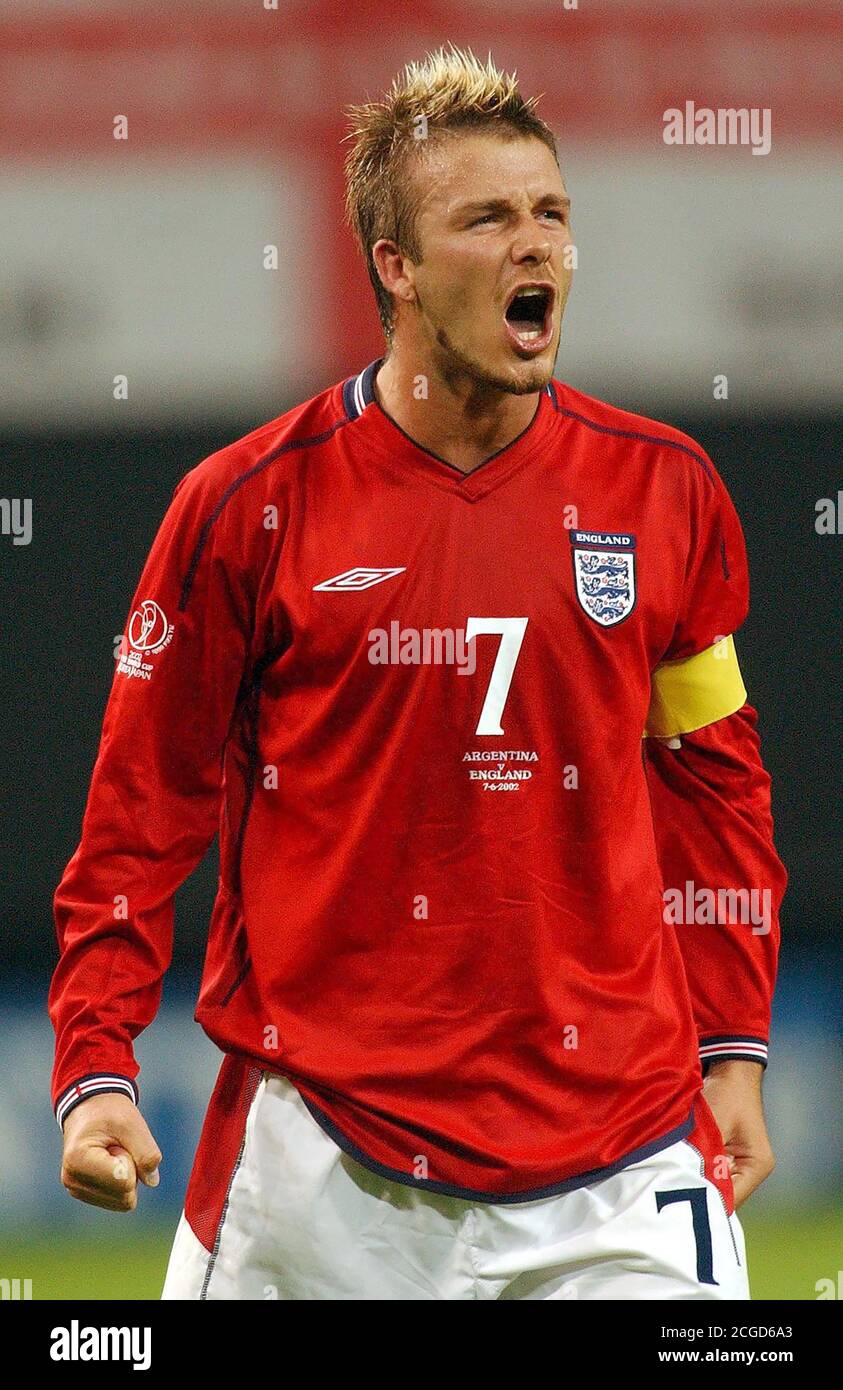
{"points": [[94, 1084], [732, 1047]]}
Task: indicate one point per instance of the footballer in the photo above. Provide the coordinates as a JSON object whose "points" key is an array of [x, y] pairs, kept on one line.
{"points": [[468, 1052]]}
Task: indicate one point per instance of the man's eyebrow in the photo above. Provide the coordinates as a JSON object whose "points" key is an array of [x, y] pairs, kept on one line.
{"points": [[503, 204]]}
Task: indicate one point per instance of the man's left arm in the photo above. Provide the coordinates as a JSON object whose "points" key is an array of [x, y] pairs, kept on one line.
{"points": [[723, 885], [710, 797]]}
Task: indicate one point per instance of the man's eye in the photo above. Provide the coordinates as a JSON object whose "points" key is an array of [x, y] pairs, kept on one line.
{"points": [[553, 212], [487, 217]]}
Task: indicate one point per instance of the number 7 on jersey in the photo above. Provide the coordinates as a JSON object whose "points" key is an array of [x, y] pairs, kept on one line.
{"points": [[511, 632]]}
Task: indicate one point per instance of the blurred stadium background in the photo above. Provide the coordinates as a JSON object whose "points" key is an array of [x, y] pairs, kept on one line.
{"points": [[147, 257]]}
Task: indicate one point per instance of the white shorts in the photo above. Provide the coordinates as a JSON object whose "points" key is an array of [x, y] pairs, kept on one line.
{"points": [[302, 1220]]}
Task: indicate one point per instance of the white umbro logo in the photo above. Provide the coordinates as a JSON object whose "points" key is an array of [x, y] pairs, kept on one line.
{"points": [[360, 578]]}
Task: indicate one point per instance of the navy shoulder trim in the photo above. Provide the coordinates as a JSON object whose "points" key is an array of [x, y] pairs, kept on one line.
{"points": [[310, 442], [636, 434]]}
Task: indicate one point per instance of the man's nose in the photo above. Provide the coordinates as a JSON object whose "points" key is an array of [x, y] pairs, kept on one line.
{"points": [[530, 245]]}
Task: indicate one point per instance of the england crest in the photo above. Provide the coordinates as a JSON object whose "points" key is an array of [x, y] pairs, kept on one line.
{"points": [[604, 574]]}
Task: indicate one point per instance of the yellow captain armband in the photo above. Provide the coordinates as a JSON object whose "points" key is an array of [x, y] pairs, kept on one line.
{"points": [[695, 691]]}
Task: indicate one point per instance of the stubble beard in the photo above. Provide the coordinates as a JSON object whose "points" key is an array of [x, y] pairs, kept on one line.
{"points": [[453, 364]]}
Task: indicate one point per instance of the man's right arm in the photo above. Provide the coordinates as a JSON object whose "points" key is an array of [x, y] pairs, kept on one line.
{"points": [[152, 811]]}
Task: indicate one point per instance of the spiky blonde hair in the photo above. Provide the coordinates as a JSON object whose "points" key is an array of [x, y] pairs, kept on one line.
{"points": [[449, 91]]}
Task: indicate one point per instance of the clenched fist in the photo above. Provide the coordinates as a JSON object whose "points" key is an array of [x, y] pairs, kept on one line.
{"points": [[107, 1149]]}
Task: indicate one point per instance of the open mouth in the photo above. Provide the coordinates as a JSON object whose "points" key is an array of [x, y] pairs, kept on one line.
{"points": [[529, 317]]}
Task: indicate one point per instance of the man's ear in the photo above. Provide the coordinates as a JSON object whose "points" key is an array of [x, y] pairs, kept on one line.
{"points": [[395, 269]]}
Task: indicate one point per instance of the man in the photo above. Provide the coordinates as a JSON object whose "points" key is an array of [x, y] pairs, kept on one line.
{"points": [[401, 646]]}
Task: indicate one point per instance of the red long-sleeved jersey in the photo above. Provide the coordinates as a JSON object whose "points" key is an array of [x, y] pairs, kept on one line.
{"points": [[457, 907]]}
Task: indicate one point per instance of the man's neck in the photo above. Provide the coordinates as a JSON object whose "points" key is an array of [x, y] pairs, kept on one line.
{"points": [[456, 421]]}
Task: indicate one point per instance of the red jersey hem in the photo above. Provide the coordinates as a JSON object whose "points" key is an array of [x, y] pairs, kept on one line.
{"points": [[445, 1189]]}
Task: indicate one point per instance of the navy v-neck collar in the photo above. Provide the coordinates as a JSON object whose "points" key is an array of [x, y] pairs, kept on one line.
{"points": [[359, 399]]}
